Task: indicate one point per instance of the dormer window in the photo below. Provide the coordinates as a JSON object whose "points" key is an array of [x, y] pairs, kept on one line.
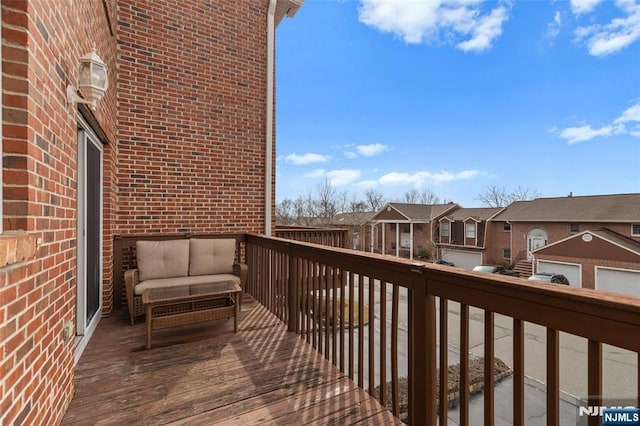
{"points": [[470, 230], [444, 229]]}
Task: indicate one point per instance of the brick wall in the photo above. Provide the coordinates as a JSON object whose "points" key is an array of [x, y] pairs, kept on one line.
{"points": [[192, 116], [41, 46]]}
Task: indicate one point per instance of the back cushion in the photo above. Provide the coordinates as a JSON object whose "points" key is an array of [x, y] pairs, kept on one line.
{"points": [[162, 259], [211, 256]]}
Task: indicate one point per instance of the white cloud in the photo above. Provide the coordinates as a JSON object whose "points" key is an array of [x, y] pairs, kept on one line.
{"points": [[371, 149], [307, 158], [343, 176], [602, 40], [585, 132], [417, 179], [553, 28], [579, 7], [350, 154], [631, 114], [441, 21], [575, 135]]}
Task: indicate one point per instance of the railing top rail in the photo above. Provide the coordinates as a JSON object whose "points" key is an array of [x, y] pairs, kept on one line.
{"points": [[499, 293]]}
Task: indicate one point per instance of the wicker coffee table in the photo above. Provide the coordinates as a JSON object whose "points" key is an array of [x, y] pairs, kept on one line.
{"points": [[176, 306]]}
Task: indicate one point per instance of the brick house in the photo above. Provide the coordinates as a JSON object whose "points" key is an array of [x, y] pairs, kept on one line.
{"points": [[157, 154], [404, 229], [524, 227], [461, 235]]}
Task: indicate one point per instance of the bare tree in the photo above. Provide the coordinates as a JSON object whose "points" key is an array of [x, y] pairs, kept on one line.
{"points": [[327, 203], [499, 196], [284, 212], [427, 196], [523, 194], [374, 200], [411, 196]]}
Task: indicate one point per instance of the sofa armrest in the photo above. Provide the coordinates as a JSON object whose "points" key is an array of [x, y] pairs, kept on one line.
{"points": [[241, 270], [131, 279]]}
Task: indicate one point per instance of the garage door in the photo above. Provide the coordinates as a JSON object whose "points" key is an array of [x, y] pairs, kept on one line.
{"points": [[570, 270], [462, 259], [618, 280]]}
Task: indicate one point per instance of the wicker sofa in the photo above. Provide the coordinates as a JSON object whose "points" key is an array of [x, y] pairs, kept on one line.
{"points": [[185, 263]]}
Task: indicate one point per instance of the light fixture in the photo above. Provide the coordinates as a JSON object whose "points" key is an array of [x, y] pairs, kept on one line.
{"points": [[92, 80]]}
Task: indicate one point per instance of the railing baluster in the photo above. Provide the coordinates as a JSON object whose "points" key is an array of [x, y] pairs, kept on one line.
{"points": [[327, 312], [334, 317], [351, 321], [594, 378], [553, 377], [316, 306], [394, 350], [342, 285], [443, 392], [489, 336], [383, 343], [361, 320], [518, 372], [464, 364], [372, 331]]}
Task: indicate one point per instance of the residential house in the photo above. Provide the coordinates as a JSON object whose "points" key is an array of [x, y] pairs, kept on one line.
{"points": [[159, 153], [407, 230], [461, 235], [548, 234]]}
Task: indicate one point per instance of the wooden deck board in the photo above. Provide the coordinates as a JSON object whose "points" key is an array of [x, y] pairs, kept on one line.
{"points": [[206, 374]]}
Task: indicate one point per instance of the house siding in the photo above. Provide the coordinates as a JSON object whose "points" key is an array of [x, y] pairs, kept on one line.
{"points": [[42, 43], [192, 91]]}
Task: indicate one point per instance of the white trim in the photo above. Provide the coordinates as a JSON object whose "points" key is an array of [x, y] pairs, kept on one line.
{"points": [[85, 331], [268, 166], [617, 269]]}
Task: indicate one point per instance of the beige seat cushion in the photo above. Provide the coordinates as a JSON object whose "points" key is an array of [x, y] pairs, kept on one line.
{"points": [[162, 259], [211, 256], [201, 284]]}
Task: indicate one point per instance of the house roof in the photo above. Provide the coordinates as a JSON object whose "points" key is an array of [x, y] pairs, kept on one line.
{"points": [[600, 243], [478, 214], [593, 208], [412, 212], [286, 8], [356, 218]]}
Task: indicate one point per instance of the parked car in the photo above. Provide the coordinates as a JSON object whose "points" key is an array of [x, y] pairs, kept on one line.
{"points": [[496, 269], [440, 262], [550, 278]]}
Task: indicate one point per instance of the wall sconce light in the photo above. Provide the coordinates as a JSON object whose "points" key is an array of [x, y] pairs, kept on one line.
{"points": [[92, 80]]}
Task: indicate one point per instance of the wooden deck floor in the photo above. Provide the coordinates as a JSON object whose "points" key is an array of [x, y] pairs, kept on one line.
{"points": [[206, 374]]}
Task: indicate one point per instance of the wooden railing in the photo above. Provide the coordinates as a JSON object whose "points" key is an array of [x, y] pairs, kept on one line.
{"points": [[332, 237], [394, 306]]}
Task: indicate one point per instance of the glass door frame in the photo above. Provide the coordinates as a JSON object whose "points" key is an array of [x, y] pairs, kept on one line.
{"points": [[84, 328]]}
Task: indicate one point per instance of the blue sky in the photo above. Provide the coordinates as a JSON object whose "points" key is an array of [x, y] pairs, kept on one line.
{"points": [[455, 96]]}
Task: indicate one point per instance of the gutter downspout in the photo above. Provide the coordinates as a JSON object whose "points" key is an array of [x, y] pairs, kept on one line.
{"points": [[268, 175]]}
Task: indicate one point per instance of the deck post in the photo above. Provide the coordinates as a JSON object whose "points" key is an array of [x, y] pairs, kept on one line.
{"points": [[422, 352]]}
